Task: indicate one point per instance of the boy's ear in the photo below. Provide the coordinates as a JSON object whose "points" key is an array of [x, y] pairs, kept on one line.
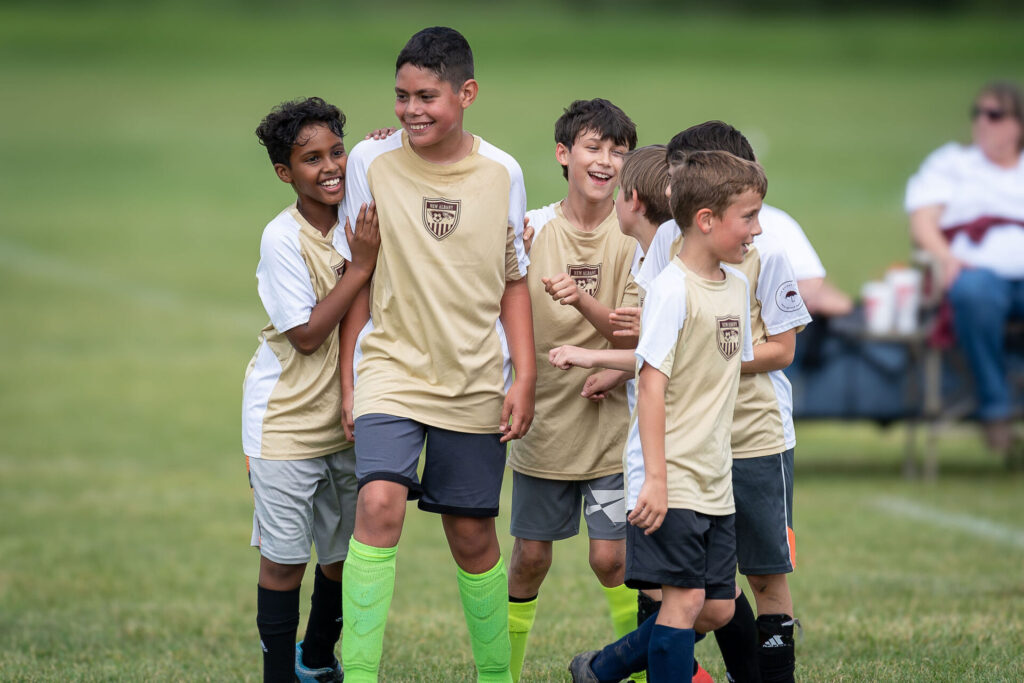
{"points": [[636, 205], [562, 154], [283, 172], [703, 219], [468, 92]]}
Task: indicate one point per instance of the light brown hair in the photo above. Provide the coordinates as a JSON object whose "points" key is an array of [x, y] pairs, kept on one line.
{"points": [[646, 171], [712, 180]]}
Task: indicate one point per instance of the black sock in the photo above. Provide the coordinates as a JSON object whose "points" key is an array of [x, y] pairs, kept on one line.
{"points": [[324, 626], [738, 641], [645, 607], [777, 650], [277, 617]]}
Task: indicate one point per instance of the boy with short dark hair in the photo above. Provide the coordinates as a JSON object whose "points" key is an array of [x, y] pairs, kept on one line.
{"points": [[301, 465], [449, 310], [572, 456], [695, 332]]}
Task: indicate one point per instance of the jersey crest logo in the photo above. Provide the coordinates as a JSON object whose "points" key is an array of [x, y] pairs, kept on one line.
{"points": [[441, 216], [339, 269], [787, 297], [586, 276], [728, 336]]}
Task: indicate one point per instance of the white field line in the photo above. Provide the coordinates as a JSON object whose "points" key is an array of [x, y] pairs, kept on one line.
{"points": [[976, 526], [36, 264]]}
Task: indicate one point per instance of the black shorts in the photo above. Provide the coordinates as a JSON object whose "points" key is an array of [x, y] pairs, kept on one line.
{"points": [[462, 472], [689, 550]]}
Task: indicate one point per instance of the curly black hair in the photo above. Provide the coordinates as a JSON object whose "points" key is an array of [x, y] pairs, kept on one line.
{"points": [[279, 129]]}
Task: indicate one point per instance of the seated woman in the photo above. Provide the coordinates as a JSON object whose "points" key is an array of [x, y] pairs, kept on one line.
{"points": [[966, 206]]}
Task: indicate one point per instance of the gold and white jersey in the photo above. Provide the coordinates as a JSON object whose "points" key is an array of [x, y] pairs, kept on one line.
{"points": [[572, 437], [763, 421], [291, 403], [696, 332], [451, 236]]}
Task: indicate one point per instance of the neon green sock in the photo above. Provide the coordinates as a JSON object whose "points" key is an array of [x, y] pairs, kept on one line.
{"points": [[622, 604], [485, 604], [367, 586], [520, 621]]}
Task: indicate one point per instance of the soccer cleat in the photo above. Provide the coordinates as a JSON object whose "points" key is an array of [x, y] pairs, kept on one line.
{"points": [[580, 669], [700, 674], [327, 674]]}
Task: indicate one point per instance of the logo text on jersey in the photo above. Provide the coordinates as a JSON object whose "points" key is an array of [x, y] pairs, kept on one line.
{"points": [[587, 277], [441, 216], [728, 335]]}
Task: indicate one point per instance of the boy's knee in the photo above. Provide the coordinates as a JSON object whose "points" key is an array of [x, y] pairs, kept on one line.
{"points": [[531, 557], [280, 577], [608, 562], [715, 615]]}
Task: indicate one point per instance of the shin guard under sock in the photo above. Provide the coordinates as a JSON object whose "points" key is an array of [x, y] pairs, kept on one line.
{"points": [[738, 642], [369, 584], [277, 618], [324, 626], [485, 606], [521, 614], [777, 649], [671, 652]]}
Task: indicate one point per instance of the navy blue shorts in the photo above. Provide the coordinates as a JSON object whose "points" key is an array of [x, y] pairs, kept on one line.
{"points": [[462, 472]]}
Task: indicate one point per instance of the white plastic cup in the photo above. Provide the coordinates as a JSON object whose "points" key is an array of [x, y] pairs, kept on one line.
{"points": [[879, 306], [906, 293]]}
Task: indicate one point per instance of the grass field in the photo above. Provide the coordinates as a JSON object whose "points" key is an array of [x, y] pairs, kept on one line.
{"points": [[134, 193]]}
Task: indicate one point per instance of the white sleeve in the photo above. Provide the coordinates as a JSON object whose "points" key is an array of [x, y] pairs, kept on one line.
{"points": [[781, 230], [283, 280], [357, 192], [663, 317], [782, 307], [748, 337], [517, 212], [935, 182], [658, 255]]}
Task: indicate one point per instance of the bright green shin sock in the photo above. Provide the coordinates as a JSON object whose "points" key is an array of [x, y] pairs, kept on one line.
{"points": [[622, 605], [485, 605], [368, 583], [520, 621]]}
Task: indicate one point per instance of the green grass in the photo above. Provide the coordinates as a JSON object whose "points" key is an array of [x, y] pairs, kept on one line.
{"points": [[134, 193]]}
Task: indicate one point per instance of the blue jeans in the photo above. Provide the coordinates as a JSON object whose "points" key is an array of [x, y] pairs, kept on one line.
{"points": [[982, 304]]}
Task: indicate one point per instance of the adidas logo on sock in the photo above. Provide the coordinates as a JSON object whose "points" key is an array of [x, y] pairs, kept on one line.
{"points": [[774, 641]]}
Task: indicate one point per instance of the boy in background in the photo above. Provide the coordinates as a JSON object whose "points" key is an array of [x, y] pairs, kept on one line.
{"points": [[579, 271], [301, 465], [449, 309], [695, 331]]}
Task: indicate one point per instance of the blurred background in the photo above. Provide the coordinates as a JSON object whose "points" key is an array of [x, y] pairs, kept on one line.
{"points": [[134, 193]]}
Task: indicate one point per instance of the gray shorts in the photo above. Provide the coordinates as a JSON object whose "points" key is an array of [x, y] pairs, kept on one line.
{"points": [[462, 472], [689, 550], [300, 503], [763, 490], [549, 509]]}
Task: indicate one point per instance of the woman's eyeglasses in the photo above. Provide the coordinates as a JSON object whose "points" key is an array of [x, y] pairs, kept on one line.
{"points": [[993, 115]]}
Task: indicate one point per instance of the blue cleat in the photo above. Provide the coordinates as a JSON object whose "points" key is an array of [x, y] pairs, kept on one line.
{"points": [[327, 674]]}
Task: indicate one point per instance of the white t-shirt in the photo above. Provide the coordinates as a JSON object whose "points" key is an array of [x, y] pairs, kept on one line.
{"points": [[968, 186]]}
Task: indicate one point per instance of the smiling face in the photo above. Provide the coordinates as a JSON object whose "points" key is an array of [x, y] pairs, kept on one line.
{"points": [[733, 232], [593, 165], [316, 169], [430, 110]]}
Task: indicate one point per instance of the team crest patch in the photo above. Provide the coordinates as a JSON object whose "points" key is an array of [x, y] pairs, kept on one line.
{"points": [[728, 336], [339, 269], [787, 297], [586, 276], [441, 216]]}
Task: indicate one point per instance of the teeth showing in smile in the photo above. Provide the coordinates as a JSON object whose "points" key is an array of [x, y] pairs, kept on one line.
{"points": [[418, 126], [600, 176], [331, 183]]}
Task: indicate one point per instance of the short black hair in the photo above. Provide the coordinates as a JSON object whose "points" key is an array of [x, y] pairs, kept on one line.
{"points": [[442, 50], [598, 115], [279, 129], [710, 136]]}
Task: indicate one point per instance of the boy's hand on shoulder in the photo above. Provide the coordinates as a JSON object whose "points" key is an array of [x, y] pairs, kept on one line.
{"points": [[518, 406], [562, 289], [626, 320], [527, 234], [565, 357], [651, 506], [364, 242], [381, 133]]}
